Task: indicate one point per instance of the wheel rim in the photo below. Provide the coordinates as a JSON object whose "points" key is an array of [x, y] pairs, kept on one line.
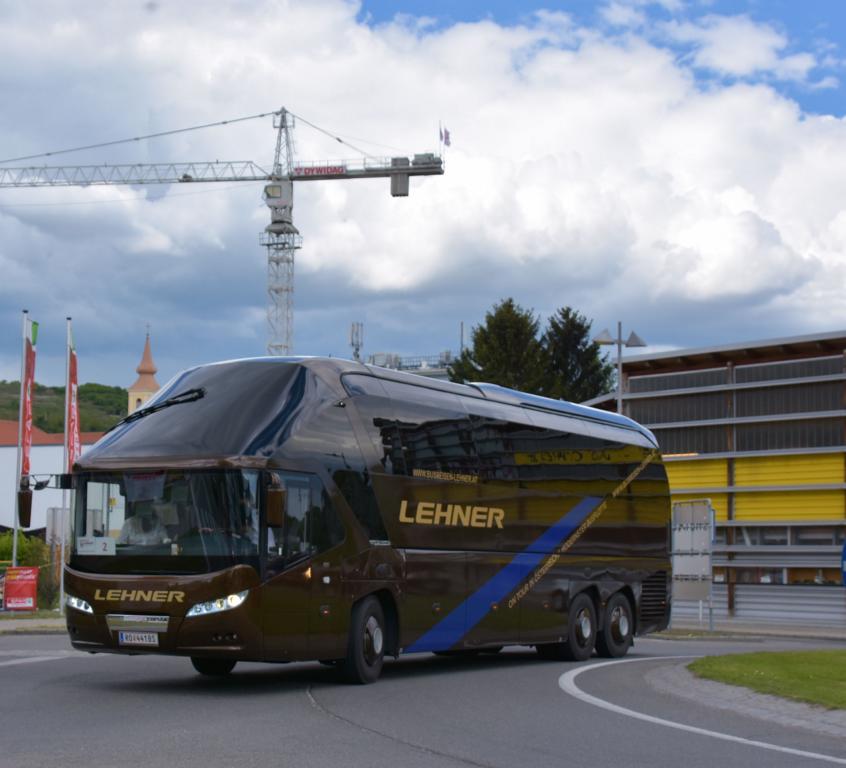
{"points": [[373, 640], [619, 624], [584, 627]]}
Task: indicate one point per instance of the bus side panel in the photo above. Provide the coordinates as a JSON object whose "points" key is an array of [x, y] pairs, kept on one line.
{"points": [[543, 608], [285, 612], [433, 610], [491, 621]]}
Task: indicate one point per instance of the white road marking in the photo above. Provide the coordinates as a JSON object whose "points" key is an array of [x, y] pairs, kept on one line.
{"points": [[567, 683], [30, 660]]}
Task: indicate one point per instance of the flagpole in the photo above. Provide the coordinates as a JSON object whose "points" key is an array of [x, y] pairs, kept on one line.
{"points": [[20, 442], [65, 468]]}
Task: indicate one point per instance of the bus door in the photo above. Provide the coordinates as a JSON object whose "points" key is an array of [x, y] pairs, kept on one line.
{"points": [[304, 614]]}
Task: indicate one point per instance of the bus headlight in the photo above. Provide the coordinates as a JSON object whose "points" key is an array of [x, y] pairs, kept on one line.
{"points": [[78, 603], [220, 604]]}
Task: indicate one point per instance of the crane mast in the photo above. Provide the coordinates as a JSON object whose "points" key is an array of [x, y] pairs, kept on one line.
{"points": [[280, 239]]}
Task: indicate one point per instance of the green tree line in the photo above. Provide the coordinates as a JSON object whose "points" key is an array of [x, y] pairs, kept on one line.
{"points": [[560, 361], [99, 406]]}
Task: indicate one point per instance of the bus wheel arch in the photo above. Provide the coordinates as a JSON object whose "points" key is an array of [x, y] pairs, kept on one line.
{"points": [[389, 607], [366, 643], [582, 623]]}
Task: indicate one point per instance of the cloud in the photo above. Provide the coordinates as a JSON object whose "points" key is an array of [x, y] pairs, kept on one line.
{"points": [[586, 169], [740, 47], [621, 14]]}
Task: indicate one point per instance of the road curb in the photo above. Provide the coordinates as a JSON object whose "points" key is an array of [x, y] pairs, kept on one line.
{"points": [[677, 680]]}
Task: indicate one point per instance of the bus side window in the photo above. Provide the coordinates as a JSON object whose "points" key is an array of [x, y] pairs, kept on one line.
{"points": [[324, 526], [430, 431], [309, 524]]}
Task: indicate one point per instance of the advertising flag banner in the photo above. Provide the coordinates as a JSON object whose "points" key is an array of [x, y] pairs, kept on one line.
{"points": [[27, 385], [21, 589], [72, 415]]}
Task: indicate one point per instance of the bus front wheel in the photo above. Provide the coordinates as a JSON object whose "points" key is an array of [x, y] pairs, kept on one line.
{"points": [[213, 667], [366, 646]]}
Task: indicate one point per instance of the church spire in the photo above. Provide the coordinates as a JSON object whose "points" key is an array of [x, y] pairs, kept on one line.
{"points": [[146, 385]]}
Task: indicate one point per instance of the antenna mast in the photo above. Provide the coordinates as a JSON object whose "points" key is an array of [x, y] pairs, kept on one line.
{"points": [[357, 340]]}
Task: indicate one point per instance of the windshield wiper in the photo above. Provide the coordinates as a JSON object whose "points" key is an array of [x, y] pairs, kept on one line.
{"points": [[188, 396]]}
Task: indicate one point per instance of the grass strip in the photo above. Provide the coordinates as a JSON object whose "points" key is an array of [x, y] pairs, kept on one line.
{"points": [[814, 677], [30, 615]]}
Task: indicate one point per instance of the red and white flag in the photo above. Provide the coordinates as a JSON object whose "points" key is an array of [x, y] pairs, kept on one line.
{"points": [[72, 443], [27, 385]]}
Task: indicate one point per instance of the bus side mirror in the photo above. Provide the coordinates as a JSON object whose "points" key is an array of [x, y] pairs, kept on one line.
{"points": [[275, 507], [65, 482], [25, 507]]}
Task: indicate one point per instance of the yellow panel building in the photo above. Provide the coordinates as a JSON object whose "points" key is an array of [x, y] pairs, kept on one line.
{"points": [[758, 428]]}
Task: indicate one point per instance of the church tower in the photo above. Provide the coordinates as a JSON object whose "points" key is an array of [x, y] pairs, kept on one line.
{"points": [[146, 385]]}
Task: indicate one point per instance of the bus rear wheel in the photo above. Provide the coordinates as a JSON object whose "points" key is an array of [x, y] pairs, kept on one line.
{"points": [[213, 667], [366, 646], [617, 626], [581, 629]]}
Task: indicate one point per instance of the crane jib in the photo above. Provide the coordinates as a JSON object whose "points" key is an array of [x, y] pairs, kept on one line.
{"points": [[281, 238]]}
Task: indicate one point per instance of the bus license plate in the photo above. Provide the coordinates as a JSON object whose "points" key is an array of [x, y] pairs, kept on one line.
{"points": [[138, 638]]}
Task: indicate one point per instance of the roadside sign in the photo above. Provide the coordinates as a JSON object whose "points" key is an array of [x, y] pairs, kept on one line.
{"points": [[693, 535], [693, 539], [21, 589]]}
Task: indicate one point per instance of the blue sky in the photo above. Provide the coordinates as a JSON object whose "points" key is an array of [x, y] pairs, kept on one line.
{"points": [[808, 25], [674, 165]]}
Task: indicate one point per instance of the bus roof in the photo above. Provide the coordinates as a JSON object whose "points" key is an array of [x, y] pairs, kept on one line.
{"points": [[491, 392], [499, 394]]}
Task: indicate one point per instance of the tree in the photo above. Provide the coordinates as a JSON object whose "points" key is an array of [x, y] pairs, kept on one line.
{"points": [[505, 350], [573, 366], [33, 551]]}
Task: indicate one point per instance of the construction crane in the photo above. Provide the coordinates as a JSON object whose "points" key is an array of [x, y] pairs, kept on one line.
{"points": [[281, 239]]}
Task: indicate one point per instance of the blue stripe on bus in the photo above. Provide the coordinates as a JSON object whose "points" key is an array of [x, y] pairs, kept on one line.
{"points": [[449, 630]]}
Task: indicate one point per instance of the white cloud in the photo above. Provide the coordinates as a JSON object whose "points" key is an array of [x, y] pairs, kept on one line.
{"points": [[621, 14], [584, 170], [741, 47]]}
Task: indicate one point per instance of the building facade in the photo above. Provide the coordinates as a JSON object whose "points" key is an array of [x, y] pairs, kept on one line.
{"points": [[759, 429], [47, 457]]}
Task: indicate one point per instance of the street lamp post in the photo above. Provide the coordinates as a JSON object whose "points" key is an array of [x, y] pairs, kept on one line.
{"points": [[633, 341]]}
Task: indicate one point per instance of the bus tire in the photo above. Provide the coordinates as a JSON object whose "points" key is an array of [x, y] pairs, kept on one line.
{"points": [[615, 639], [581, 629], [213, 667], [366, 646]]}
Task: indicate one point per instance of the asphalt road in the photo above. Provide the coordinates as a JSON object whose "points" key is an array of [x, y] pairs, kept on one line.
{"points": [[63, 708]]}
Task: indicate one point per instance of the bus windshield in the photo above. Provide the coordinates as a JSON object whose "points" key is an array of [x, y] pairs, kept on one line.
{"points": [[171, 521]]}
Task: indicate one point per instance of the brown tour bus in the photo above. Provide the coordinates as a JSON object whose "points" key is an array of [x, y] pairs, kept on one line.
{"points": [[285, 509]]}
